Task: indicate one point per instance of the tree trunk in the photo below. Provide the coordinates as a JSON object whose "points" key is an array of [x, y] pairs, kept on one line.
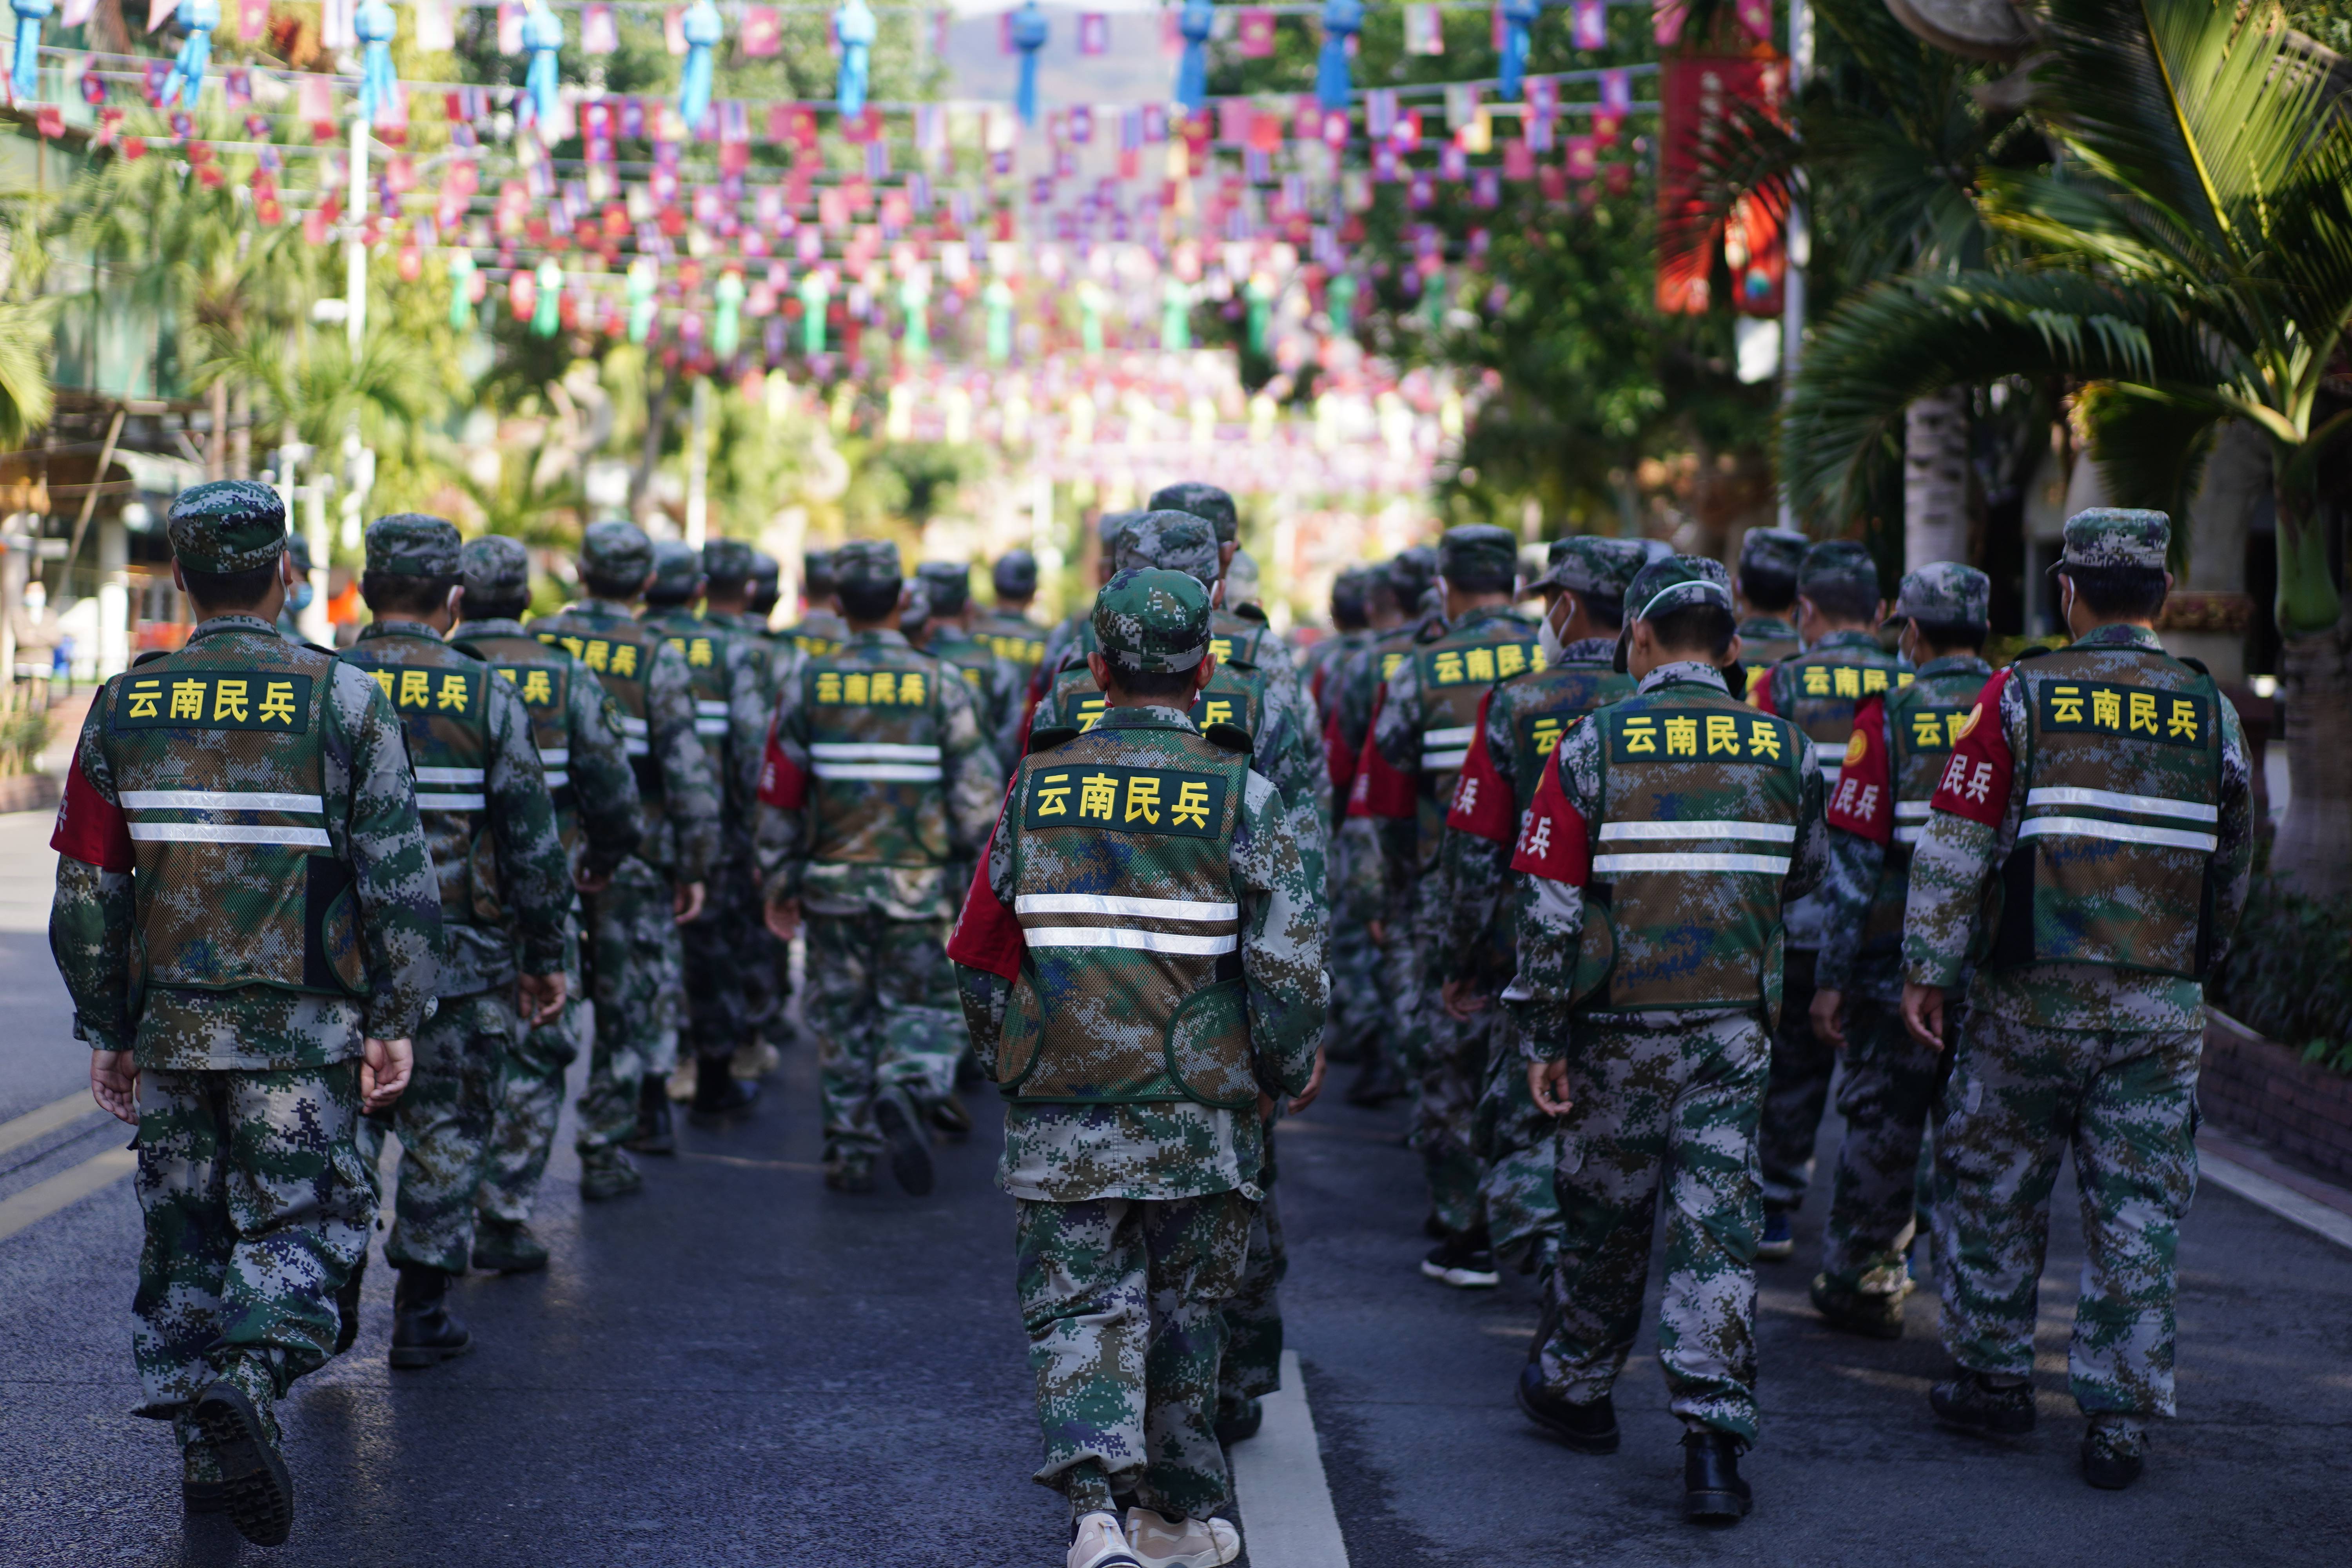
{"points": [[1936, 478], [2313, 853]]}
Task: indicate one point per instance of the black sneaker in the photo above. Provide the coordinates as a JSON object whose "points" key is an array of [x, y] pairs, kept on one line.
{"points": [[259, 1492], [1971, 1404], [2113, 1456], [1587, 1428], [1713, 1491], [1776, 1244], [1463, 1263], [910, 1151], [1856, 1311]]}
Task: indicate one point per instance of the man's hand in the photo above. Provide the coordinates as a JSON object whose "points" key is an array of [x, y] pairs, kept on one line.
{"points": [[540, 998], [687, 902], [1314, 1085], [785, 917], [114, 1084], [1922, 1013], [591, 883], [384, 1072], [1828, 1017], [1463, 999], [1548, 1081]]}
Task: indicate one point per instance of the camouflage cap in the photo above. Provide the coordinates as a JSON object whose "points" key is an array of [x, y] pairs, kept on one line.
{"points": [[765, 569], [727, 560], [1241, 579], [1205, 501], [1675, 583], [414, 544], [228, 525], [676, 569], [1169, 540], [948, 585], [300, 548], [1781, 550], [1946, 592], [1478, 553], [915, 609], [1350, 591], [1839, 561], [2116, 536], [1592, 564], [1150, 618], [616, 551], [1110, 525], [1410, 574], [816, 573], [867, 563], [1015, 575], [495, 567]]}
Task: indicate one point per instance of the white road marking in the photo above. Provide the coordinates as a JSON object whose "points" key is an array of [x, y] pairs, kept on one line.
{"points": [[47, 1118], [2283, 1201], [1288, 1521], [38, 1202]]}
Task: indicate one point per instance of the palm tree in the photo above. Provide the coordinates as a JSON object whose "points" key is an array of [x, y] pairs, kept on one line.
{"points": [[2193, 265]]}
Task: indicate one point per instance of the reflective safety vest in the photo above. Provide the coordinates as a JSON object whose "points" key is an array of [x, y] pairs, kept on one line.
{"points": [[542, 678], [1132, 987], [875, 724], [1456, 671], [1234, 697], [1012, 638], [620, 653], [217, 756], [2121, 774], [1765, 641], [1818, 692], [1925, 719], [1541, 707], [441, 693], [704, 649]]}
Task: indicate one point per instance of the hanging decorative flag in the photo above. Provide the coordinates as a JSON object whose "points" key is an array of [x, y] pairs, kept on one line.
{"points": [[25, 63], [1093, 33], [1342, 20], [545, 317], [160, 12], [196, 52], [764, 32], [252, 18], [1588, 25], [701, 29], [1514, 17], [1029, 34], [600, 34], [1666, 20], [509, 26], [1253, 35], [375, 23], [727, 314], [1197, 21], [853, 25], [435, 31], [1756, 15], [76, 13], [643, 280], [543, 34], [1424, 30]]}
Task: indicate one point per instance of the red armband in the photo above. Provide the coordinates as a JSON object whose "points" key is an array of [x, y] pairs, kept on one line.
{"points": [[781, 782], [1554, 843], [1759, 691], [1863, 802], [1483, 804], [1337, 759], [90, 828], [1976, 781], [986, 934], [1378, 789]]}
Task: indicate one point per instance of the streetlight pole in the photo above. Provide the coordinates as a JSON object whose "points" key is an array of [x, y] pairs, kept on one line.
{"points": [[1799, 246]]}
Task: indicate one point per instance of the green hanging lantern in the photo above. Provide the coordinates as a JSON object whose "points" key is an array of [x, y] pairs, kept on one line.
{"points": [[727, 314], [546, 317], [1175, 316], [461, 292], [998, 297], [1259, 294], [814, 292], [1340, 305]]}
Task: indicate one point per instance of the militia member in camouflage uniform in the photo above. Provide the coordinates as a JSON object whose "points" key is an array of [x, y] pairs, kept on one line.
{"points": [[997, 683], [246, 921], [1666, 835], [727, 674], [1349, 949], [1838, 612], [876, 779], [577, 728], [1006, 628], [505, 885], [632, 926], [1143, 971], [2107, 787], [1769, 559], [1068, 644], [1520, 722], [1900, 745], [821, 629], [1421, 737], [298, 597]]}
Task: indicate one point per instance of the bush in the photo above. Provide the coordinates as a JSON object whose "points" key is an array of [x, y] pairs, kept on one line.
{"points": [[2288, 976]]}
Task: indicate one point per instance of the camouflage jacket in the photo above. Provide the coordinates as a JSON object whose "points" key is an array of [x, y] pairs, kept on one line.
{"points": [[1974, 826], [1765, 641], [104, 908], [837, 831], [1819, 691], [677, 792], [491, 826], [1519, 724], [1173, 1148], [997, 685], [1876, 814], [728, 672], [770, 653], [820, 632], [580, 747], [1014, 638], [1325, 662], [1683, 927]]}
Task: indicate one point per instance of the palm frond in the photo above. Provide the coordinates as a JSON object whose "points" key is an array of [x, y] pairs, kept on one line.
{"points": [[27, 343], [2151, 449]]}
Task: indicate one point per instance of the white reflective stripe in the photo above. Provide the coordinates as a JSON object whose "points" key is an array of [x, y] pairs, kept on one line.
{"points": [[1631, 865], [228, 833], [636, 747], [1462, 735], [1769, 832], [554, 756], [1911, 811], [632, 726], [2121, 832], [1908, 834], [451, 775], [1131, 941], [875, 751], [709, 706], [2110, 800], [1110, 904], [1442, 761], [710, 726], [558, 778], [451, 801], [1829, 771], [902, 773], [219, 800]]}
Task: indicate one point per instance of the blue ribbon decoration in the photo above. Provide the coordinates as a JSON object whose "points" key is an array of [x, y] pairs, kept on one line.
{"points": [[24, 66], [543, 34], [853, 23], [1028, 37], [1342, 20], [703, 30], [1197, 22], [1518, 16], [196, 52], [374, 24]]}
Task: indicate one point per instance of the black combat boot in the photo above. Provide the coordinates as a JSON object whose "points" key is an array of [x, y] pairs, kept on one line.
{"points": [[654, 1134], [256, 1489], [1588, 1428], [910, 1149], [717, 1092], [1973, 1404], [1713, 1492], [347, 1306], [1377, 1081], [2114, 1452], [423, 1331], [507, 1247], [1860, 1313]]}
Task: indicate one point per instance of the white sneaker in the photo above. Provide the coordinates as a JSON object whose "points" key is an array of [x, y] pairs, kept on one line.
{"points": [[1195, 1543], [1098, 1543]]}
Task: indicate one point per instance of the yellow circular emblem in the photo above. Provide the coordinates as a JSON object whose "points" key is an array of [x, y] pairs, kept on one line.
{"points": [[1968, 724], [1857, 749]]}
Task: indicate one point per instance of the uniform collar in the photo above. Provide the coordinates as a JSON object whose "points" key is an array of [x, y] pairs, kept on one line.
{"points": [[1955, 664], [882, 639], [235, 622], [1686, 672], [1590, 650], [593, 605], [1480, 617], [490, 626], [395, 627], [1845, 639], [1152, 717], [1767, 626], [2121, 635]]}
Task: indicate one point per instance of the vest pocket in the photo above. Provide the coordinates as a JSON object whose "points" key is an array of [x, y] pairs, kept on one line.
{"points": [[1025, 1030], [1208, 1046], [1596, 950], [331, 960], [482, 878], [2012, 942]]}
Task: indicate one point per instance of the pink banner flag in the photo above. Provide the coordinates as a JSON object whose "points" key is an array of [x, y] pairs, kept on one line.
{"points": [[764, 32], [1424, 30], [1587, 26], [600, 34]]}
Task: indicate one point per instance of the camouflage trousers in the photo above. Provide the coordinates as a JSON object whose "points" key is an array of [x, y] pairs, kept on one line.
{"points": [[767, 970], [882, 1003], [2019, 1098], [714, 953], [1677, 1104], [630, 953], [258, 1208], [1251, 1366], [524, 1134], [1517, 1146], [1358, 1014], [1798, 1091], [1119, 1298], [1885, 1092], [445, 1122], [1446, 1112]]}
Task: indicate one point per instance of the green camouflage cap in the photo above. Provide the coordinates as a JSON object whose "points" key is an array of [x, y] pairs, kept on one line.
{"points": [[948, 585], [1110, 525], [1946, 593], [1410, 574], [2116, 536], [228, 525], [816, 573], [1591, 564], [1241, 579], [1351, 590], [1478, 553], [1677, 581], [495, 568], [1169, 541], [727, 560], [1151, 618], [915, 609], [676, 569], [1781, 550], [412, 544], [300, 548], [1014, 574], [867, 563], [765, 569], [1840, 561], [616, 551], [1205, 501]]}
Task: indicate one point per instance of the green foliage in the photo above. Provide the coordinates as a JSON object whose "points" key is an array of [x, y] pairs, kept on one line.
{"points": [[2289, 974]]}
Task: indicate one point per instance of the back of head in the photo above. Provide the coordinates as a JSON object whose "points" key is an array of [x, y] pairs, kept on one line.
{"points": [[1240, 580], [915, 609], [614, 557], [1152, 624], [1842, 581], [496, 573], [816, 575], [1686, 600], [1167, 542], [228, 537], [763, 582], [412, 564], [868, 576], [2115, 558], [947, 585], [1409, 576], [1597, 570], [1350, 595], [1207, 502], [678, 575], [1478, 558], [1015, 575], [1949, 603], [1769, 559], [727, 564]]}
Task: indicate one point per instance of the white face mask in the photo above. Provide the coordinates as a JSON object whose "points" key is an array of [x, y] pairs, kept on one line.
{"points": [[1548, 632]]}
